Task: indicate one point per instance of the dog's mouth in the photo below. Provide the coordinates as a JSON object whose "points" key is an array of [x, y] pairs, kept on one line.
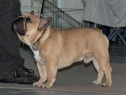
{"points": [[18, 26]]}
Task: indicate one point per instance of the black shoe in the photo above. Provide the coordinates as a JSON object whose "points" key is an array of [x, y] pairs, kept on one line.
{"points": [[22, 76]]}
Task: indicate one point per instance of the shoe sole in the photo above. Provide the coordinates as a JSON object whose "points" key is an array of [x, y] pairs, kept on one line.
{"points": [[6, 80]]}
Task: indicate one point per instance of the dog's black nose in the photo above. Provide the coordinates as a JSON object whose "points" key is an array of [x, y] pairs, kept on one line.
{"points": [[17, 26]]}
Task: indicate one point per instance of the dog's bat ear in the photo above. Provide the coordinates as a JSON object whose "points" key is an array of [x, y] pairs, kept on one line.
{"points": [[32, 12], [45, 22]]}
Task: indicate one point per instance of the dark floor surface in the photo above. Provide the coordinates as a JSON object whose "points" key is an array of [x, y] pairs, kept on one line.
{"points": [[76, 79]]}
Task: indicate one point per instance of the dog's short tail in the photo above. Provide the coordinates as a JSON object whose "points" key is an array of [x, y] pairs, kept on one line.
{"points": [[99, 30]]}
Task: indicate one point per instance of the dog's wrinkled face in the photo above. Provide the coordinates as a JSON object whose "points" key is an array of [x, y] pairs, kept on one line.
{"points": [[29, 26]]}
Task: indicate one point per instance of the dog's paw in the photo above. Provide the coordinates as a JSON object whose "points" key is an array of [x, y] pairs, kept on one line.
{"points": [[96, 82], [46, 85], [106, 84], [37, 84]]}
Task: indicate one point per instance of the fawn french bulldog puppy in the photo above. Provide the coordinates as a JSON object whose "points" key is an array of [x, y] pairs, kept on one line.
{"points": [[54, 48]]}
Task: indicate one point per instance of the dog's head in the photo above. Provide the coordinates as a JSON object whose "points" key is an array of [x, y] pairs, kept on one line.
{"points": [[28, 27]]}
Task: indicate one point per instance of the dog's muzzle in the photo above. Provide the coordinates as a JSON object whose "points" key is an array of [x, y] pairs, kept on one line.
{"points": [[18, 27]]}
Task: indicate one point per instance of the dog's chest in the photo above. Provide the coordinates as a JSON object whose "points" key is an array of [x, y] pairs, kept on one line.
{"points": [[36, 55]]}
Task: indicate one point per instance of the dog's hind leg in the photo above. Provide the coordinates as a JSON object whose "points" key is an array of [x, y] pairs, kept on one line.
{"points": [[104, 65], [108, 72], [99, 71]]}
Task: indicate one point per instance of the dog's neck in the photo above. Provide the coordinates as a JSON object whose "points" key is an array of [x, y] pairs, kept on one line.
{"points": [[39, 38], [42, 36]]}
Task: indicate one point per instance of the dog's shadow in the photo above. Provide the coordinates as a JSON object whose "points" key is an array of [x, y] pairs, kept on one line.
{"points": [[75, 64]]}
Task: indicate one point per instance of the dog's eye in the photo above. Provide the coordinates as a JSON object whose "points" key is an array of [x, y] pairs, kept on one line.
{"points": [[28, 20]]}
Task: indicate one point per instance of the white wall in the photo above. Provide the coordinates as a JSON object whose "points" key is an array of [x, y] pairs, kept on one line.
{"points": [[71, 7], [30, 5], [66, 5]]}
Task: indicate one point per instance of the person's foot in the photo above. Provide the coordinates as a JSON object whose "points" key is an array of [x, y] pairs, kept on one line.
{"points": [[22, 76]]}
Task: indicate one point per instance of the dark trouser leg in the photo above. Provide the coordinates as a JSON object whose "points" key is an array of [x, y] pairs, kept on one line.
{"points": [[10, 58]]}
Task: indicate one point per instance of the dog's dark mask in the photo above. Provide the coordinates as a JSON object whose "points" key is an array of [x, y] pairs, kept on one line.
{"points": [[18, 26]]}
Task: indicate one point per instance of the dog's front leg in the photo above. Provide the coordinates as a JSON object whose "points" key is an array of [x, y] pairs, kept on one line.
{"points": [[51, 67], [42, 73]]}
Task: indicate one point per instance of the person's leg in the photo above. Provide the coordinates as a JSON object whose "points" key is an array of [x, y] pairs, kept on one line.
{"points": [[10, 59]]}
